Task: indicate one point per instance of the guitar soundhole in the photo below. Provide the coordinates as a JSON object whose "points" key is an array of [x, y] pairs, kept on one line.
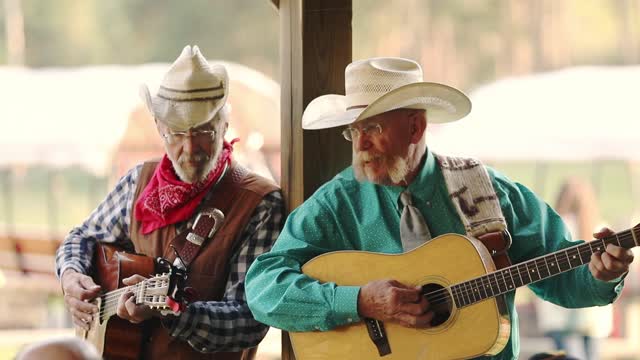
{"points": [[440, 302]]}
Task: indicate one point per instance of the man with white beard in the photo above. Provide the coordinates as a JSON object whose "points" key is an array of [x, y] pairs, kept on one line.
{"points": [[158, 209], [396, 196]]}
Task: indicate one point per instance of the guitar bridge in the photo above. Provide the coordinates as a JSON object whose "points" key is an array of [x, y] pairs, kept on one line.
{"points": [[378, 335]]}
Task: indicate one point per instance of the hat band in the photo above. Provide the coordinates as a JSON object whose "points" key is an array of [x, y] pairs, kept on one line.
{"points": [[356, 107], [191, 99], [192, 90]]}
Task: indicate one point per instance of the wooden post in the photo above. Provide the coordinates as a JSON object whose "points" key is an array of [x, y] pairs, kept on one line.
{"points": [[315, 48]]}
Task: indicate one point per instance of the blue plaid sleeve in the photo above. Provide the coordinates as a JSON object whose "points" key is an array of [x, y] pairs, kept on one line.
{"points": [[108, 223], [228, 325]]}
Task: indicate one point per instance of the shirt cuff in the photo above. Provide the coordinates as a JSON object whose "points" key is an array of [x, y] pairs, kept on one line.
{"points": [[71, 266], [177, 325], [608, 290], [346, 305]]}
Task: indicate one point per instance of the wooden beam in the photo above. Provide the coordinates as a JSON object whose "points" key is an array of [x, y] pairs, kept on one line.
{"points": [[315, 44], [315, 47]]}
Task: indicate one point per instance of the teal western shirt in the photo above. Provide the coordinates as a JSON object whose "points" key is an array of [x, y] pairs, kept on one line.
{"points": [[345, 214]]}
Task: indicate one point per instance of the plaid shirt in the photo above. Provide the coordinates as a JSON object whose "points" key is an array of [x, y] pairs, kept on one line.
{"points": [[225, 325]]}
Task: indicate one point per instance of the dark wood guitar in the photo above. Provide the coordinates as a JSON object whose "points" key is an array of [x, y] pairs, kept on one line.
{"points": [[116, 338]]}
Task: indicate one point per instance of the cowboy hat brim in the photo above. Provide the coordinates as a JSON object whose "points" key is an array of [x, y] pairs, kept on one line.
{"points": [[321, 113], [442, 102]]}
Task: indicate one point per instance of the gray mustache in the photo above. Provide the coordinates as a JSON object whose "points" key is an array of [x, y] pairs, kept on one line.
{"points": [[366, 156], [200, 157]]}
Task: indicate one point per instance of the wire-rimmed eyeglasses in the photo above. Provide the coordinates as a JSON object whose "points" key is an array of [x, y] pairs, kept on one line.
{"points": [[178, 137], [352, 133]]}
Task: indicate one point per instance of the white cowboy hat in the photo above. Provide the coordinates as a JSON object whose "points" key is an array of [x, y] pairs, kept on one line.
{"points": [[191, 92], [377, 85]]}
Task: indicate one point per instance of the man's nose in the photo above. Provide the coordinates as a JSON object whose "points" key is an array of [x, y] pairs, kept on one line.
{"points": [[362, 142], [188, 144]]}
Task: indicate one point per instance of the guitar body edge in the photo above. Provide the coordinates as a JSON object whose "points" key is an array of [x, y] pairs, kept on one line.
{"points": [[116, 338], [482, 328]]}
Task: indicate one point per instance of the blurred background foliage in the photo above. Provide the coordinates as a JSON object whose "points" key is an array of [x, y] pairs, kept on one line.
{"points": [[465, 43], [471, 42], [91, 32]]}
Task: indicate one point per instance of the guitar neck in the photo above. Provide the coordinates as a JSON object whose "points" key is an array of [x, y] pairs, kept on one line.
{"points": [[152, 292], [109, 300], [543, 267]]}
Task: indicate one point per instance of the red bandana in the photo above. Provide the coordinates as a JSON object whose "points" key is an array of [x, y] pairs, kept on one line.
{"points": [[167, 200]]}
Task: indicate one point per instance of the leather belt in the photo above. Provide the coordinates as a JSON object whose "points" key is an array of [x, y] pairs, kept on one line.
{"points": [[204, 227]]}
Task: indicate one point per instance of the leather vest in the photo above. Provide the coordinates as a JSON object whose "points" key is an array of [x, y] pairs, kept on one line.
{"points": [[237, 195]]}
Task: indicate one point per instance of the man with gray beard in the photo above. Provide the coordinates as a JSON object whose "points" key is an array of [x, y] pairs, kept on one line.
{"points": [[158, 209], [396, 196]]}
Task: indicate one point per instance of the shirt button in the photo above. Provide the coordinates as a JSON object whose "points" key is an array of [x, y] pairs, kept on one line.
{"points": [[429, 203]]}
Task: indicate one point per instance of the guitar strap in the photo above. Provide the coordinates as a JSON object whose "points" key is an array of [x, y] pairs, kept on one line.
{"points": [[208, 221], [474, 198], [204, 227]]}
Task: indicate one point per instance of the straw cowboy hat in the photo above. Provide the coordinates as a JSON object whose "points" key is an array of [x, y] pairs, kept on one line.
{"points": [[191, 92], [377, 85]]}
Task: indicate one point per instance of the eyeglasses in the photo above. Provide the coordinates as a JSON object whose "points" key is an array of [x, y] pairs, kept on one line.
{"points": [[178, 137], [352, 133]]}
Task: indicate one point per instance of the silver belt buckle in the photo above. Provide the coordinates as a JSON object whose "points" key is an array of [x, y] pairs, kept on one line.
{"points": [[213, 213]]}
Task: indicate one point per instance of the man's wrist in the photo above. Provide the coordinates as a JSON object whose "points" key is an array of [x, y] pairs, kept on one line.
{"points": [[68, 271], [619, 278]]}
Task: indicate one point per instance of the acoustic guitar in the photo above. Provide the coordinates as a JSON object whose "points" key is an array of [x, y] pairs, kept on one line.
{"points": [[116, 338], [460, 281]]}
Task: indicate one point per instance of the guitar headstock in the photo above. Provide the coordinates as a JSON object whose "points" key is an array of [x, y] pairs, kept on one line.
{"points": [[164, 292], [154, 292]]}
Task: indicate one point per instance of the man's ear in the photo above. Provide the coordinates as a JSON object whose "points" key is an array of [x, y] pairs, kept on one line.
{"points": [[226, 127], [418, 124], [157, 126]]}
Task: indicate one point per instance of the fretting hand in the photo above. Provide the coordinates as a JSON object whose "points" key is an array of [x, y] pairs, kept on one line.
{"points": [[127, 307], [613, 262]]}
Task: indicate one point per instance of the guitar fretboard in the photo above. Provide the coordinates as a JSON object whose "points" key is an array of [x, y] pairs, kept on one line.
{"points": [[540, 268], [152, 292]]}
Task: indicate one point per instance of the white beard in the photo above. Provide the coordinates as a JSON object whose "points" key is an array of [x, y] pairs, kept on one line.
{"points": [[191, 174], [396, 172], [399, 170]]}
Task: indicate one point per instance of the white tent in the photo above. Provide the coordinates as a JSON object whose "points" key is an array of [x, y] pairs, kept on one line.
{"points": [[583, 113], [76, 116]]}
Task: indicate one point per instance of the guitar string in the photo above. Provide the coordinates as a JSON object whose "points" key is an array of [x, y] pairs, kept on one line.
{"points": [[107, 306], [115, 295], [444, 295], [156, 279], [111, 298], [473, 292], [537, 262]]}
